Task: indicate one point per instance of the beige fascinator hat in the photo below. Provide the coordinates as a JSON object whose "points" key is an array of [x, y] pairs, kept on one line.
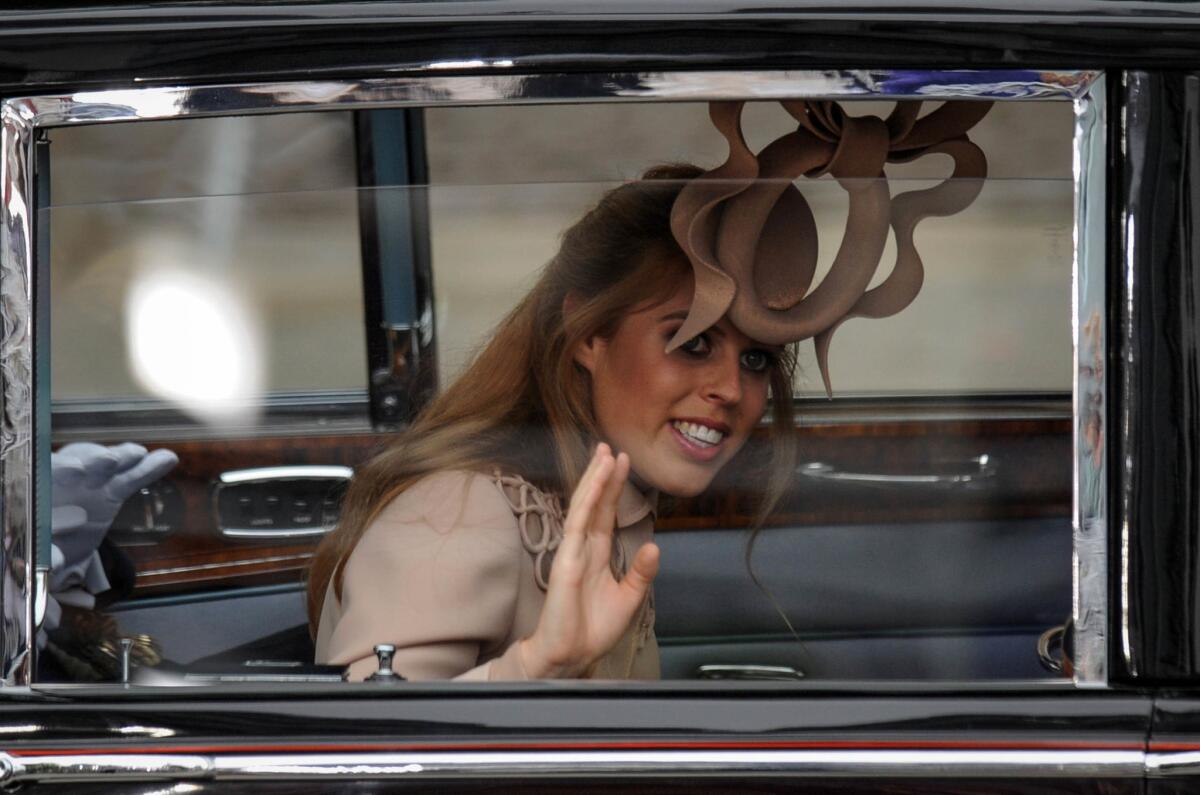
{"points": [[752, 240]]}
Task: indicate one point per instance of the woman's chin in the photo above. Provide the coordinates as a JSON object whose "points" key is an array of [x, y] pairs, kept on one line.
{"points": [[681, 484], [684, 493]]}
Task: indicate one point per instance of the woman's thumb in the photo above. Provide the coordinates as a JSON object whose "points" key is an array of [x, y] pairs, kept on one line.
{"points": [[641, 573]]}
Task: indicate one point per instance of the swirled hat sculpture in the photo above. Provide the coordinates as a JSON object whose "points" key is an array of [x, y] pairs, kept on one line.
{"points": [[751, 237]]}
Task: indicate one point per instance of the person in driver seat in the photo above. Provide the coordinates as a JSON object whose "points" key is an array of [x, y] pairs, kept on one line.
{"points": [[507, 534]]}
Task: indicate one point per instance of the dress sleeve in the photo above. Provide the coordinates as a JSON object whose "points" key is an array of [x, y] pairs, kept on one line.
{"points": [[436, 575]]}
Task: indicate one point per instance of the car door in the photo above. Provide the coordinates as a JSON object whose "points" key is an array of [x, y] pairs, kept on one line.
{"points": [[1158, 617], [898, 575]]}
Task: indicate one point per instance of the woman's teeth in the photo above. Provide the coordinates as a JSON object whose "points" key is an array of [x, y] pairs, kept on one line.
{"points": [[700, 434]]}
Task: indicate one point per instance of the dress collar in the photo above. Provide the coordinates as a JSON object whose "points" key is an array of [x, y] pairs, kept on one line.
{"points": [[633, 505]]}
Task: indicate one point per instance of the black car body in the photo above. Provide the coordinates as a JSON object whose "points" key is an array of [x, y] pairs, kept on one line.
{"points": [[1122, 536]]}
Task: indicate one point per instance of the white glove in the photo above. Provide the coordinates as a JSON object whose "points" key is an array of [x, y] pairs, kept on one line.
{"points": [[90, 483]]}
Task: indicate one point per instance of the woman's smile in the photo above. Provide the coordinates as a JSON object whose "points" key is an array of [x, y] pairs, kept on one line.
{"points": [[700, 439]]}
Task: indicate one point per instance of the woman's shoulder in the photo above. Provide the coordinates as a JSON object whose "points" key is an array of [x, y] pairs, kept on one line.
{"points": [[447, 499], [454, 516]]}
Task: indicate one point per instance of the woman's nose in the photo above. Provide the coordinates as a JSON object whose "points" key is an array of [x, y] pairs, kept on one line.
{"points": [[724, 381]]}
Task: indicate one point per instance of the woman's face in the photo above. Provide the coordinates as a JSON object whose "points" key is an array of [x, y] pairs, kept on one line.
{"points": [[680, 416]]}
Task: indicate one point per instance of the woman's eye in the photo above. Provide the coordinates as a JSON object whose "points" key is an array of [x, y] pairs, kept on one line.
{"points": [[756, 361], [696, 346]]}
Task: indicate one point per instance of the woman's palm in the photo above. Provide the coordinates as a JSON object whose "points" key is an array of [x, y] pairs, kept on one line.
{"points": [[587, 609]]}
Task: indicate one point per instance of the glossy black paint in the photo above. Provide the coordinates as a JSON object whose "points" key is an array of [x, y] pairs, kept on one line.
{"points": [[416, 714], [430, 717], [49, 49], [1175, 730], [1156, 360], [1177, 718]]}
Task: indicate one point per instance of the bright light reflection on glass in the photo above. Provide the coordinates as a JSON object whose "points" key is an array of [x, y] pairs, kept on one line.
{"points": [[194, 343]]}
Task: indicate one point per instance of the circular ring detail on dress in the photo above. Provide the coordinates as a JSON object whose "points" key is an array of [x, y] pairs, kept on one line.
{"points": [[540, 521]]}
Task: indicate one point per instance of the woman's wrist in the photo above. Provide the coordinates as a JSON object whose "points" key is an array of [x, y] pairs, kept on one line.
{"points": [[536, 666]]}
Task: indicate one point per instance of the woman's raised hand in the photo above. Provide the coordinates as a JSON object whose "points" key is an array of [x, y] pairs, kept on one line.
{"points": [[587, 609]]}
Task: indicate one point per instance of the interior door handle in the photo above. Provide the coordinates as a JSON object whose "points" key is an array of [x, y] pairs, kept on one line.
{"points": [[967, 472], [762, 673], [285, 502]]}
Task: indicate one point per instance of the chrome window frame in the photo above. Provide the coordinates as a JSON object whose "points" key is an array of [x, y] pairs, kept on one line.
{"points": [[23, 118]]}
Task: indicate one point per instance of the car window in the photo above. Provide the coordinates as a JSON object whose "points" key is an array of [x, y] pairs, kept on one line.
{"points": [[215, 272], [270, 299], [495, 220]]}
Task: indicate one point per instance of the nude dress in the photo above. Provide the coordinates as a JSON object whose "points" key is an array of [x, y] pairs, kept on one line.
{"points": [[453, 573]]}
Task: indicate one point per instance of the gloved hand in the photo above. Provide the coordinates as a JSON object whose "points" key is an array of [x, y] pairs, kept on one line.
{"points": [[90, 483]]}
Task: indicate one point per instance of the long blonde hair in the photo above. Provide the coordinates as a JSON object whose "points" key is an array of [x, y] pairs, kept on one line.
{"points": [[524, 405]]}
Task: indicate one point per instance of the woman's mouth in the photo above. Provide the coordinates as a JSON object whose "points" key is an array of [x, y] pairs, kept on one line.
{"points": [[701, 442]]}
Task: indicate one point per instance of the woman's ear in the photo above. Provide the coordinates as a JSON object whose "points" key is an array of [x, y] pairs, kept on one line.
{"points": [[588, 351], [585, 352]]}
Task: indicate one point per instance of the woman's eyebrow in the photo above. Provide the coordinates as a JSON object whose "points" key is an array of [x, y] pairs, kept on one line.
{"points": [[682, 314]]}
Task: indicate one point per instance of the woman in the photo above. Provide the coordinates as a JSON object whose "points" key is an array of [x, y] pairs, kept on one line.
{"points": [[658, 331], [446, 538]]}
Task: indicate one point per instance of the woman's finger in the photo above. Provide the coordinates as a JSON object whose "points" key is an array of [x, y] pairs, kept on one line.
{"points": [[584, 503], [575, 508], [605, 516], [588, 474]]}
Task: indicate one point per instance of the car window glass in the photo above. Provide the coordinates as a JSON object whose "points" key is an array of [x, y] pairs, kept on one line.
{"points": [[497, 211], [279, 304], [223, 256]]}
